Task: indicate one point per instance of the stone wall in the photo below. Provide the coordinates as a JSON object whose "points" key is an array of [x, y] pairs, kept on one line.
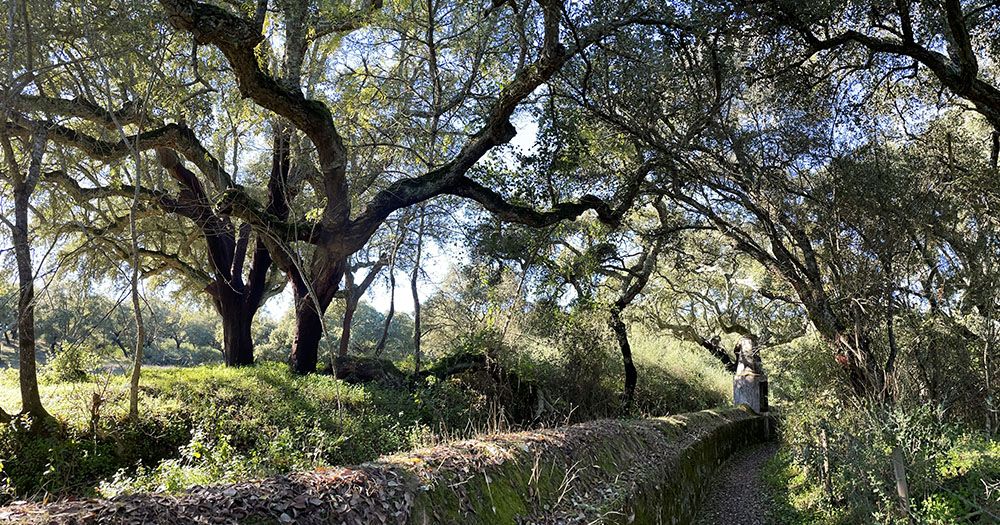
{"points": [[609, 471]]}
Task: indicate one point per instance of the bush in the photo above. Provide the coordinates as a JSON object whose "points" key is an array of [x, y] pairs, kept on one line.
{"points": [[69, 460], [74, 363], [949, 469]]}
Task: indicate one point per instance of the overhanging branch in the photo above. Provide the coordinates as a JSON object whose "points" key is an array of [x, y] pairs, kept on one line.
{"points": [[174, 136]]}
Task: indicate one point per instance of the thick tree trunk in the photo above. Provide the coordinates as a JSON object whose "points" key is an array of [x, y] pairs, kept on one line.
{"points": [[237, 339], [308, 332], [631, 374], [311, 303], [236, 308], [236, 301]]}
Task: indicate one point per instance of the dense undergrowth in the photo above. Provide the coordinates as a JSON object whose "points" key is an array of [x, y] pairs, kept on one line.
{"points": [[956, 482], [210, 424], [835, 466]]}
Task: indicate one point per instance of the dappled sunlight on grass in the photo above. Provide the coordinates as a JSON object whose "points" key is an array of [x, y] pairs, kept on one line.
{"points": [[210, 423], [682, 374]]}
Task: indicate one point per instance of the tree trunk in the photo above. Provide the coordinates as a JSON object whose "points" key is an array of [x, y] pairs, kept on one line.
{"points": [[31, 401], [380, 347], [352, 295], [345, 334], [140, 327], [236, 301], [311, 302], [902, 487], [631, 374], [350, 305], [237, 340], [237, 314], [994, 149], [827, 479], [308, 332], [416, 296]]}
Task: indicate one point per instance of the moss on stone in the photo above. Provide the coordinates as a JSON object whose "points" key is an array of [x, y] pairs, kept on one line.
{"points": [[641, 471], [645, 471]]}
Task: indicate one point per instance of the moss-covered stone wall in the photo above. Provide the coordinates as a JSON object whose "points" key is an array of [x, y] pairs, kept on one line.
{"points": [[609, 471], [638, 471]]}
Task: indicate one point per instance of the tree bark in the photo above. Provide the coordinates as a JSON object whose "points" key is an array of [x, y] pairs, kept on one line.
{"points": [[140, 343], [352, 296], [311, 302], [994, 149], [308, 332], [237, 321], [380, 346], [140, 326], [902, 487], [633, 282], [631, 374], [345, 334], [31, 401], [416, 295]]}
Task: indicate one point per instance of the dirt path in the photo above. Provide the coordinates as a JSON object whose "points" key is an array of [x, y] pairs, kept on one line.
{"points": [[738, 495]]}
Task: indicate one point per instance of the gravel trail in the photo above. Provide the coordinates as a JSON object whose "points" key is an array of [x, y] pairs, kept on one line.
{"points": [[738, 495]]}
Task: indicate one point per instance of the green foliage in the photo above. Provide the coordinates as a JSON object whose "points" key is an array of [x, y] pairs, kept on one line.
{"points": [[969, 478], [72, 364], [793, 498], [951, 472], [211, 424], [70, 460]]}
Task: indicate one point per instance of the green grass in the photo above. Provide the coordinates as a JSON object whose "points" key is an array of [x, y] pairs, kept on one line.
{"points": [[677, 377], [210, 423]]}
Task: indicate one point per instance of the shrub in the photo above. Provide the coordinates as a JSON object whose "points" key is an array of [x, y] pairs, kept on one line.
{"points": [[73, 363]]}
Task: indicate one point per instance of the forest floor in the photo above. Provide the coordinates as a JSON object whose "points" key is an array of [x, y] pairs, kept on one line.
{"points": [[738, 494]]}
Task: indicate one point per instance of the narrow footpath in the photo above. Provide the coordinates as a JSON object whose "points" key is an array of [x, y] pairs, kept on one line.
{"points": [[737, 494]]}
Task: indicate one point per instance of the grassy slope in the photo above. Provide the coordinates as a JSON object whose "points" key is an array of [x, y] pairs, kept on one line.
{"points": [[211, 424], [253, 421]]}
